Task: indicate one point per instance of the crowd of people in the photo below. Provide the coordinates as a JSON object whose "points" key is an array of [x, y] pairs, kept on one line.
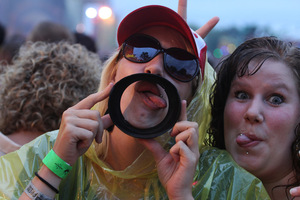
{"points": [[237, 136]]}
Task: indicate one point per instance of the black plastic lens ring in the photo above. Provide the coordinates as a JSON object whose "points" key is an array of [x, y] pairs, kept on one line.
{"points": [[166, 124]]}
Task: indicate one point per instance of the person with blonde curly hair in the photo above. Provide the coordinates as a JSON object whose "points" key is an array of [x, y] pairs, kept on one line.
{"points": [[44, 80]]}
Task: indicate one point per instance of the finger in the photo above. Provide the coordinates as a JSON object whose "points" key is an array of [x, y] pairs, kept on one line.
{"points": [[182, 9], [206, 28], [72, 143], [85, 119], [83, 113], [155, 148], [185, 127], [180, 152], [86, 124], [183, 115], [188, 161], [84, 138], [106, 122], [190, 137], [92, 99], [295, 192], [182, 126]]}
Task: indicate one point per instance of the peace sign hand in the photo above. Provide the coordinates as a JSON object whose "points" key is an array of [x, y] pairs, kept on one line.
{"points": [[80, 126], [206, 28]]}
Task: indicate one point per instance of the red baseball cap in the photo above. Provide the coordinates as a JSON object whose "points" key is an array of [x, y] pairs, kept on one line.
{"points": [[155, 15]]}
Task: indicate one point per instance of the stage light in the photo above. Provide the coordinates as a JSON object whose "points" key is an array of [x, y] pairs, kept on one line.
{"points": [[91, 12], [105, 12]]}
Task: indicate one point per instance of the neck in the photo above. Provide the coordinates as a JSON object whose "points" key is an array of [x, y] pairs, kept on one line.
{"points": [[123, 150], [23, 137], [279, 193]]}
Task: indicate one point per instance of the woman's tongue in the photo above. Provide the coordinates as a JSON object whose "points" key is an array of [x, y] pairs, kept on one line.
{"points": [[153, 101], [243, 139]]}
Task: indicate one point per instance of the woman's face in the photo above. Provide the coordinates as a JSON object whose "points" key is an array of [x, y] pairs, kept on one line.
{"points": [[261, 114], [145, 104]]}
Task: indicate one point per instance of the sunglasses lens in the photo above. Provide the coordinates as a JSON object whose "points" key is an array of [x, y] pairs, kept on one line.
{"points": [[140, 49], [180, 64]]}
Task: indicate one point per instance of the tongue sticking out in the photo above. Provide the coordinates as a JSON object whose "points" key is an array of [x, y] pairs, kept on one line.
{"points": [[155, 101], [243, 140]]}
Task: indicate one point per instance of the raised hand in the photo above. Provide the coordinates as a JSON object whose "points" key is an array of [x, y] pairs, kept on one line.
{"points": [[176, 168], [80, 126], [206, 28]]}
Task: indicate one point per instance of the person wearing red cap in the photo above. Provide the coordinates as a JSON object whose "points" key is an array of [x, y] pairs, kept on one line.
{"points": [[91, 158]]}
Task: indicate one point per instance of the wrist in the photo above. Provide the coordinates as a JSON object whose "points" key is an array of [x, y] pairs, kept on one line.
{"points": [[181, 194], [50, 177], [57, 165]]}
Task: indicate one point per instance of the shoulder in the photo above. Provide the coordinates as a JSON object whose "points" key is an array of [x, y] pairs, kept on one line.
{"points": [[222, 178], [214, 158]]}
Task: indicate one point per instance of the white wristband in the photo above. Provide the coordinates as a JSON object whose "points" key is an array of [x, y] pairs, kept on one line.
{"points": [[33, 193]]}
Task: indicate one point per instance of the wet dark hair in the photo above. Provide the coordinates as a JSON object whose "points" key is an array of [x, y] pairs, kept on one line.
{"points": [[260, 50]]}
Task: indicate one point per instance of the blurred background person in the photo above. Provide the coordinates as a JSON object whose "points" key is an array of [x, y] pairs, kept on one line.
{"points": [[43, 81], [2, 34], [50, 32], [86, 41], [10, 49]]}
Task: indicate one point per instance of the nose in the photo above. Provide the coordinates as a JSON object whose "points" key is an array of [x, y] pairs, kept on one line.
{"points": [[156, 65], [254, 113]]}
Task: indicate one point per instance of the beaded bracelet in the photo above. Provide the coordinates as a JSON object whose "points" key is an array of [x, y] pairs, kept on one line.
{"points": [[57, 165]]}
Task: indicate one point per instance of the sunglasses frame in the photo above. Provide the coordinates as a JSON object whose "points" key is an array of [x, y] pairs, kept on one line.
{"points": [[160, 49]]}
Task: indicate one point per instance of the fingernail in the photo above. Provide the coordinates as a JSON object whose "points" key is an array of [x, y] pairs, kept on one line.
{"points": [[293, 191]]}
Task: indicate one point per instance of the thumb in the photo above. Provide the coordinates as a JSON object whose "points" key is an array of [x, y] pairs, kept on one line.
{"points": [[105, 123], [155, 148]]}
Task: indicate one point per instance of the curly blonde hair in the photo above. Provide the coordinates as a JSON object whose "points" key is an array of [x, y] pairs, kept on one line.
{"points": [[44, 80]]}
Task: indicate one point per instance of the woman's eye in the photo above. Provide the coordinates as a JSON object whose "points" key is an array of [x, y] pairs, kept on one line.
{"points": [[241, 95], [276, 99]]}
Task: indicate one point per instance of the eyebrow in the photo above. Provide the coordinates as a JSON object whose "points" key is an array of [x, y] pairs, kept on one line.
{"points": [[279, 84]]}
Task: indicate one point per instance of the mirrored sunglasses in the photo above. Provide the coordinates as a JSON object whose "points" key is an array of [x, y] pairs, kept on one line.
{"points": [[178, 63]]}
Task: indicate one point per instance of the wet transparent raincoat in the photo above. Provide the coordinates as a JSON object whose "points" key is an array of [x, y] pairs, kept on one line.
{"points": [[217, 176]]}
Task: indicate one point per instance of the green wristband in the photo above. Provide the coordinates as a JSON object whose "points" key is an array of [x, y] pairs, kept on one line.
{"points": [[57, 165]]}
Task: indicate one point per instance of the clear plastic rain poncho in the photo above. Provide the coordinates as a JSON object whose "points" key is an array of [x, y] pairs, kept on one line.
{"points": [[217, 176]]}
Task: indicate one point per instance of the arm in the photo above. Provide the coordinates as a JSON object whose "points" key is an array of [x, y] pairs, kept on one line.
{"points": [[206, 28], [79, 127], [177, 167]]}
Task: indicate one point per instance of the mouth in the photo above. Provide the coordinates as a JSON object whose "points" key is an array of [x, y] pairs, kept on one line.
{"points": [[247, 140], [151, 95]]}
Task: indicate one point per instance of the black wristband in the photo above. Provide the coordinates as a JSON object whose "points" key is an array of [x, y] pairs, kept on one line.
{"points": [[47, 183]]}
